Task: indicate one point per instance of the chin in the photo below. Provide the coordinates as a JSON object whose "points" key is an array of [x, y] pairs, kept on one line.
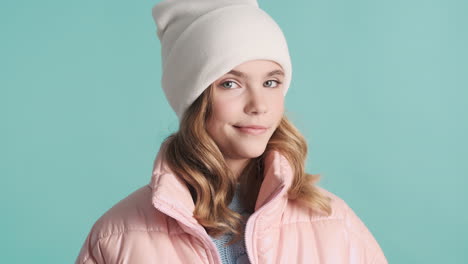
{"points": [[252, 151]]}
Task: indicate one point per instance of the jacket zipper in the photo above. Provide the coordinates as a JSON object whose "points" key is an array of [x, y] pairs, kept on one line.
{"points": [[209, 243], [201, 236], [252, 219]]}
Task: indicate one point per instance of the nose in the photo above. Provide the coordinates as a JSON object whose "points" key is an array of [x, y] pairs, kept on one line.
{"points": [[256, 102]]}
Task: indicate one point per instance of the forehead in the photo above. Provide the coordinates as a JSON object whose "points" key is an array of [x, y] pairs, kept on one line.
{"points": [[257, 68]]}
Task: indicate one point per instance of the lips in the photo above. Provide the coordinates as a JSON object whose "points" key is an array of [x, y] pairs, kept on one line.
{"points": [[251, 129]]}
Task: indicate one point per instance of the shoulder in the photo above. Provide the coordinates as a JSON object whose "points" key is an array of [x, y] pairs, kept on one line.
{"points": [[342, 218], [339, 208], [132, 218], [359, 233], [342, 210], [133, 213]]}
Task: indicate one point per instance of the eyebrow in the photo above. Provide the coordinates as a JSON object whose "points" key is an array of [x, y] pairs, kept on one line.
{"points": [[242, 75]]}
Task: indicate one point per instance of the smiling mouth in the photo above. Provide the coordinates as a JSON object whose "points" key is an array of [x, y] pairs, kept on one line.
{"points": [[250, 130]]}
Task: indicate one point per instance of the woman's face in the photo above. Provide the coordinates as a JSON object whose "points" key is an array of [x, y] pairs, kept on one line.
{"points": [[249, 95]]}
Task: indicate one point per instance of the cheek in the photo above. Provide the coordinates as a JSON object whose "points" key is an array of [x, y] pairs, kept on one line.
{"points": [[224, 110], [278, 104]]}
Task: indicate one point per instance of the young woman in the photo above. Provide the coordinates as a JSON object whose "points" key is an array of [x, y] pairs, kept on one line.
{"points": [[229, 186]]}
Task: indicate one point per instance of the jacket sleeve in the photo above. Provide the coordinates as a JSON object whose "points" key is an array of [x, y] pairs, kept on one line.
{"points": [[362, 240], [91, 252]]}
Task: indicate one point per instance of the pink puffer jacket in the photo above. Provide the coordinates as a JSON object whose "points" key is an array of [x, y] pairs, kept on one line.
{"points": [[155, 224]]}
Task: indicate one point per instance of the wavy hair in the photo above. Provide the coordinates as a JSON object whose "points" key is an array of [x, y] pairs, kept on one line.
{"points": [[194, 156]]}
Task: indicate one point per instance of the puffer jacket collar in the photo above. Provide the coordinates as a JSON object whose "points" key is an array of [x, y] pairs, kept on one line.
{"points": [[171, 196]]}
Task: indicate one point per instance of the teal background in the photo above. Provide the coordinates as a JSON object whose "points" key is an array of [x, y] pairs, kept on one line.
{"points": [[379, 90]]}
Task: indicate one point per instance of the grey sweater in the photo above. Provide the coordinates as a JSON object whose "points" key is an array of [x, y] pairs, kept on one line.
{"points": [[234, 254]]}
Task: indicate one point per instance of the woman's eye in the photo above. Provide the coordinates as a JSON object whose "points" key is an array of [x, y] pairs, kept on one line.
{"points": [[229, 84], [224, 86], [277, 82]]}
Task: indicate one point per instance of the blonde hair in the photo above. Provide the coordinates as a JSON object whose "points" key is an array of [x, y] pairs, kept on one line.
{"points": [[194, 156]]}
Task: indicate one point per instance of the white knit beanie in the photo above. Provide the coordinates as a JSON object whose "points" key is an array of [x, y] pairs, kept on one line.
{"points": [[201, 40]]}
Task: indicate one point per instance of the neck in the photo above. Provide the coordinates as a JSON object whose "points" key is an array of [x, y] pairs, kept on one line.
{"points": [[236, 166]]}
